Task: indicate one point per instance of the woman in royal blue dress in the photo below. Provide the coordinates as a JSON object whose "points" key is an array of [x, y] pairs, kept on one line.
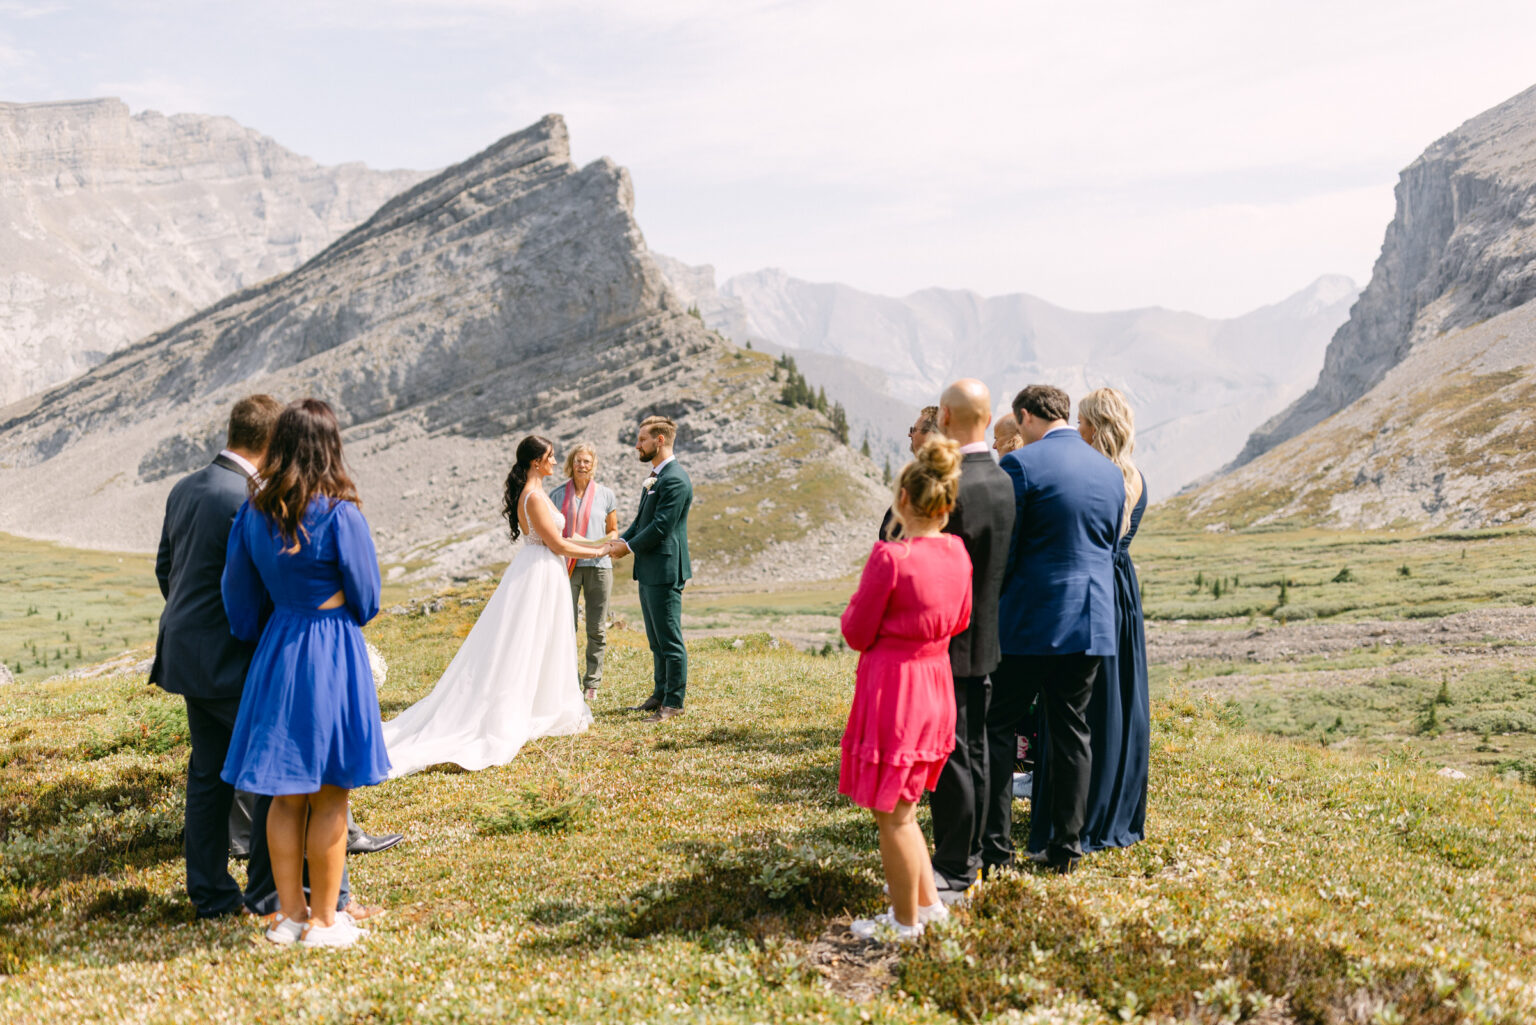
{"points": [[1119, 719], [301, 578]]}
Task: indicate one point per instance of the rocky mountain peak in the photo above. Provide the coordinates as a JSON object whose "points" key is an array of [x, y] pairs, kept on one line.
{"points": [[510, 293], [113, 225], [1460, 249]]}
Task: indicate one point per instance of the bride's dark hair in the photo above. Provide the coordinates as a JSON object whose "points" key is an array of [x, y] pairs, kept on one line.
{"points": [[529, 451]]}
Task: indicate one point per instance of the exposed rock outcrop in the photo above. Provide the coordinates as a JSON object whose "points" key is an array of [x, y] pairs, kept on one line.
{"points": [[1461, 249], [113, 226], [1444, 440], [508, 294]]}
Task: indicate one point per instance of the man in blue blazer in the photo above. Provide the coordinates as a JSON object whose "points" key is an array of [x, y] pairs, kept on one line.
{"points": [[1056, 617]]}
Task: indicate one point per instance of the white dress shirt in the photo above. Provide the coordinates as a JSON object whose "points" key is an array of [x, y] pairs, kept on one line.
{"points": [[240, 461]]}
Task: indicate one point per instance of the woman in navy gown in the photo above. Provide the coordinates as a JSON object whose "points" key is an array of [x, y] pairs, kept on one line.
{"points": [[301, 578], [1118, 715]]}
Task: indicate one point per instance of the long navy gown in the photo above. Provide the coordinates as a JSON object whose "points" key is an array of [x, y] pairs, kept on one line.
{"points": [[1120, 721]]}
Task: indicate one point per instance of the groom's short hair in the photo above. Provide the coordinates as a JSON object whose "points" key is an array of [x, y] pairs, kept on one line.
{"points": [[664, 426], [251, 423], [1043, 401]]}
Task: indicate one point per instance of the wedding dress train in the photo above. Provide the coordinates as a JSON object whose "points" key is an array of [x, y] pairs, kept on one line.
{"points": [[514, 679]]}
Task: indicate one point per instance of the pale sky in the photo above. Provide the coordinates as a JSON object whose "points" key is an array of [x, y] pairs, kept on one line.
{"points": [[1209, 156]]}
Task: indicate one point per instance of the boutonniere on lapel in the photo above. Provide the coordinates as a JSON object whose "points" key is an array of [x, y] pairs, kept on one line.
{"points": [[650, 482]]}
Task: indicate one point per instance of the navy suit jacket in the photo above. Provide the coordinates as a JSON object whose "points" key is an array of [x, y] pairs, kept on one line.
{"points": [[1059, 595], [195, 654]]}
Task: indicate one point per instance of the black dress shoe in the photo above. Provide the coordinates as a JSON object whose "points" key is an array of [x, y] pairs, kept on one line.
{"points": [[650, 704], [239, 853], [366, 844]]}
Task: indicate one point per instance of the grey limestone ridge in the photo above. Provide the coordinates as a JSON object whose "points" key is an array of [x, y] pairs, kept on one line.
{"points": [[1461, 249], [113, 225], [510, 293]]}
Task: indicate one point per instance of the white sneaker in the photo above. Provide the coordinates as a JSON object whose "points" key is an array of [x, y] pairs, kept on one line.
{"points": [[284, 931], [884, 926], [932, 913], [1022, 784], [346, 916], [343, 934]]}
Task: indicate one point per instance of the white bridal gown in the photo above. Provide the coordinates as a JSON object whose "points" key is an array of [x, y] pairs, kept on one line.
{"points": [[513, 679]]}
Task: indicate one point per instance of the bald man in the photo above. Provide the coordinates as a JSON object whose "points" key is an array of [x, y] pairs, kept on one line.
{"points": [[983, 519], [1005, 435]]}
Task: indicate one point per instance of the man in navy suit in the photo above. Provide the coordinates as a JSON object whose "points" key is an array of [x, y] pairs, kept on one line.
{"points": [[197, 657], [1056, 617]]}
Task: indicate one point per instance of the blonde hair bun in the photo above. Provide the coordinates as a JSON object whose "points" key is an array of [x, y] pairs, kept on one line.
{"points": [[932, 479]]}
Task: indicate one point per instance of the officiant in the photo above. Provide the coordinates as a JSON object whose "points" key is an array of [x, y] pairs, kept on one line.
{"points": [[591, 512]]}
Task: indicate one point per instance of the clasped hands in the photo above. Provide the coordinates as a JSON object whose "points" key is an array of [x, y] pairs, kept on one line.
{"points": [[613, 549]]}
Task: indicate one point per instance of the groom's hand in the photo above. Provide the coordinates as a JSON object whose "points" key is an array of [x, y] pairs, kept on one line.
{"points": [[617, 549]]}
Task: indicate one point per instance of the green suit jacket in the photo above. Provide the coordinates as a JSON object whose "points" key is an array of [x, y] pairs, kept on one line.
{"points": [[659, 535]]}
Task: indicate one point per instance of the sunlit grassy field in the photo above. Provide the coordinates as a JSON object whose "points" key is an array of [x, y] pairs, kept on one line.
{"points": [[1330, 574], [1304, 862], [61, 608], [700, 872]]}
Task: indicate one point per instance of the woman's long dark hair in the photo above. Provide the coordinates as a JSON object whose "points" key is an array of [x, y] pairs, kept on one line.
{"points": [[303, 460], [529, 451]]}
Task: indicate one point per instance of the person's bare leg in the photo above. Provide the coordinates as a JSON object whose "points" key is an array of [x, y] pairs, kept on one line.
{"points": [[285, 848], [903, 871], [927, 891], [327, 847]]}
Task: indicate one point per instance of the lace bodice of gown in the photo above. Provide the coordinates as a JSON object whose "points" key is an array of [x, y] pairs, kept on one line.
{"points": [[1124, 547], [533, 535]]}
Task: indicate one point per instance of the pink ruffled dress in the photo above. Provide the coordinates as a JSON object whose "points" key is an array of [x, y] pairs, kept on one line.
{"points": [[913, 597]]}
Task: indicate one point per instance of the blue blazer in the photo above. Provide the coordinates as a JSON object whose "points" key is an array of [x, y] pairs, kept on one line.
{"points": [[1059, 594]]}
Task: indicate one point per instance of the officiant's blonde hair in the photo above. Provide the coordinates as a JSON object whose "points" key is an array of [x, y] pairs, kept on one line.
{"points": [[576, 450]]}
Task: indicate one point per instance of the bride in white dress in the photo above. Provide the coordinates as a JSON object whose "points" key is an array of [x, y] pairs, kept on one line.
{"points": [[515, 677]]}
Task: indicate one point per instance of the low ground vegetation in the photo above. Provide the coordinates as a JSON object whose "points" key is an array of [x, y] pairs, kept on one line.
{"points": [[704, 871]]}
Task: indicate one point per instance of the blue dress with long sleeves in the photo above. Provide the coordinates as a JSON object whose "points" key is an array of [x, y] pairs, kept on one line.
{"points": [[1120, 723], [309, 714]]}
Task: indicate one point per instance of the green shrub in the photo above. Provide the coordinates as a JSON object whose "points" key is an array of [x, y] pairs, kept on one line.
{"points": [[559, 807]]}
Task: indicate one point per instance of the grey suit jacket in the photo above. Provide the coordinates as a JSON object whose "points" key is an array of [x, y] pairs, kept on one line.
{"points": [[983, 519], [195, 654]]}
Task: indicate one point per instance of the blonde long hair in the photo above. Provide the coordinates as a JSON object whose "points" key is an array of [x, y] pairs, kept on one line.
{"points": [[1114, 434]]}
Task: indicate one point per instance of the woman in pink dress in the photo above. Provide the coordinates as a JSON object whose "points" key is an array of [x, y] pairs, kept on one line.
{"points": [[914, 596]]}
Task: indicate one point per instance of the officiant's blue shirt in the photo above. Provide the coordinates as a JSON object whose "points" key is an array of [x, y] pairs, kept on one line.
{"points": [[603, 503]]}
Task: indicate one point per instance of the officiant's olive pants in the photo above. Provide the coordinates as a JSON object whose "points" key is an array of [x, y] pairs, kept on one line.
{"points": [[597, 582], [662, 609]]}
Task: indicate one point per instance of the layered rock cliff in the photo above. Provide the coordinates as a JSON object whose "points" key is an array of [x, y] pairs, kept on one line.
{"points": [[1461, 249], [509, 294], [112, 226]]}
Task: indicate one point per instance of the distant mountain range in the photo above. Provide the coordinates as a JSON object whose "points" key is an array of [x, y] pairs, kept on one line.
{"points": [[509, 294], [1198, 384], [1421, 415], [113, 226]]}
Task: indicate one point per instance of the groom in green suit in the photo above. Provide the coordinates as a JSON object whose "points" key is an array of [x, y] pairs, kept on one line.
{"points": [[658, 539]]}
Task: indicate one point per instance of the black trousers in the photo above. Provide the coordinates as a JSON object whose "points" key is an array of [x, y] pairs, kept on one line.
{"points": [[205, 840], [959, 801], [211, 723], [1064, 684]]}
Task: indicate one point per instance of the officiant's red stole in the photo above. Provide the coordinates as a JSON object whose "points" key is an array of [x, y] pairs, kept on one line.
{"points": [[576, 526]]}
